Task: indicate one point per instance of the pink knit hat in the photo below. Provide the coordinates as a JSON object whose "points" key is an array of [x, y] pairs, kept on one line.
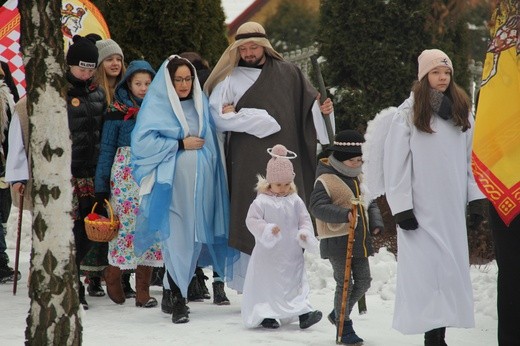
{"points": [[279, 167], [430, 59]]}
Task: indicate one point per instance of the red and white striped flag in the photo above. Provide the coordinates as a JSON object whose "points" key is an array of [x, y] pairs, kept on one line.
{"points": [[78, 17], [10, 43]]}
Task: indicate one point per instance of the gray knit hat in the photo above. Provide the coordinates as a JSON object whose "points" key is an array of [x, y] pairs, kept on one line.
{"points": [[107, 48]]}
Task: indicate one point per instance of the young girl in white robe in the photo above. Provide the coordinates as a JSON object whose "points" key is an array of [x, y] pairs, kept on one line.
{"points": [[276, 290]]}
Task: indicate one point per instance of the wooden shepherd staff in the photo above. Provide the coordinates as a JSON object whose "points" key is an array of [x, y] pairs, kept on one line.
{"points": [[348, 267], [323, 97], [18, 236]]}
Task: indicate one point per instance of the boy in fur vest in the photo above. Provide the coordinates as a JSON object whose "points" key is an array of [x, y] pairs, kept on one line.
{"points": [[338, 181]]}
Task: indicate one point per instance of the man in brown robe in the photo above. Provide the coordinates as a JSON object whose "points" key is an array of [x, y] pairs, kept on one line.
{"points": [[260, 100]]}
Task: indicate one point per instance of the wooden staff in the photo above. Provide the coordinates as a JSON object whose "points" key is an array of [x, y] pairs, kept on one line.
{"points": [[348, 267], [323, 97], [18, 236]]}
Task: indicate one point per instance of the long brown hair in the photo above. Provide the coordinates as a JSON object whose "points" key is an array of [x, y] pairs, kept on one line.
{"points": [[423, 111], [102, 80]]}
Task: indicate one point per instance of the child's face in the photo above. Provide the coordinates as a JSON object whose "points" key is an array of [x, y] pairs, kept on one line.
{"points": [[281, 189], [139, 84], [82, 73], [354, 162], [113, 65], [439, 78], [182, 81]]}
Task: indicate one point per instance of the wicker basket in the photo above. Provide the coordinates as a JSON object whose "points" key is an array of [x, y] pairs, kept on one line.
{"points": [[103, 229]]}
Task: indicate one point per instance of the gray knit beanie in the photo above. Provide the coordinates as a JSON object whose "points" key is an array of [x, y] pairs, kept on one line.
{"points": [[107, 48]]}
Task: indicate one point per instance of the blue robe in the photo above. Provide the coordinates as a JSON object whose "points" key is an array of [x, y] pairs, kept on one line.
{"points": [[185, 202]]}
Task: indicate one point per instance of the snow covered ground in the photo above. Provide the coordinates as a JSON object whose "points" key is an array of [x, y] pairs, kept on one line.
{"points": [[106, 323]]}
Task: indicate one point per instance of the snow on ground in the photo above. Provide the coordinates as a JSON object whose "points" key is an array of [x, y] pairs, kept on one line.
{"points": [[106, 323]]}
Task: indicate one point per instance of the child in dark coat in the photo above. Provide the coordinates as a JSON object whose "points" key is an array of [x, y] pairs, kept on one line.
{"points": [[85, 108], [338, 181]]}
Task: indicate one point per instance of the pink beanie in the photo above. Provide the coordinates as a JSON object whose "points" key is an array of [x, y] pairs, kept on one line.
{"points": [[430, 59], [279, 168]]}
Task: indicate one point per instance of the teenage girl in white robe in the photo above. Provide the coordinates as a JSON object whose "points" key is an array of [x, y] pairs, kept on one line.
{"points": [[429, 183]]}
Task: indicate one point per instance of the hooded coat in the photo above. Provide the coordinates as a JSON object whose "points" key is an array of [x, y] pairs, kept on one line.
{"points": [[114, 174]]}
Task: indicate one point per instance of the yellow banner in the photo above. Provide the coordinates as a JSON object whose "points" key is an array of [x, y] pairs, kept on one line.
{"points": [[496, 142], [81, 17]]}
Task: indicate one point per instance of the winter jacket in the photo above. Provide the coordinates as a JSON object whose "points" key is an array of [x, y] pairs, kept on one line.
{"points": [[86, 105], [118, 125], [322, 208]]}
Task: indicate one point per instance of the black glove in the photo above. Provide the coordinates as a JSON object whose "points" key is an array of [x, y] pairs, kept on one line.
{"points": [[100, 200], [476, 213], [406, 220]]}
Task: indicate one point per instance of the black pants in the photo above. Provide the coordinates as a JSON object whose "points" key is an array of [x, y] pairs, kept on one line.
{"points": [[507, 245], [82, 243]]}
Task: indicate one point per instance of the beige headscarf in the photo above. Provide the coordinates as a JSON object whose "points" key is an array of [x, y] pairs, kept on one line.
{"points": [[247, 32]]}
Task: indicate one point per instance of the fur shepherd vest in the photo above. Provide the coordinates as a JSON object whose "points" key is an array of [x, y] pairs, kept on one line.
{"points": [[341, 195]]}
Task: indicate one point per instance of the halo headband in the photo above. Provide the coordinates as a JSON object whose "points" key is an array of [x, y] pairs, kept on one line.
{"points": [[292, 153], [348, 144]]}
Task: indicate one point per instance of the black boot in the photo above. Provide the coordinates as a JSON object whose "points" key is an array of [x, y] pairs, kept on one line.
{"points": [[167, 301], [82, 299], [270, 323], [202, 282], [435, 337], [443, 335], [195, 291], [179, 309], [310, 318], [349, 336], [157, 276], [432, 338], [219, 296], [7, 273], [94, 287], [127, 288], [332, 317]]}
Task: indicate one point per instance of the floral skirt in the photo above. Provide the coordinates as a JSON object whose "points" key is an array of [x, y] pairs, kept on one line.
{"points": [[124, 198]]}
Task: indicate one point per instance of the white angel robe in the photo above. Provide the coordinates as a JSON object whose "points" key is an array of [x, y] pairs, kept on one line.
{"points": [[431, 174], [276, 283]]}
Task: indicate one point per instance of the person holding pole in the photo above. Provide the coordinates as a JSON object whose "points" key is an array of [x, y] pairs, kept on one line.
{"points": [[17, 172], [259, 100], [276, 290], [335, 203]]}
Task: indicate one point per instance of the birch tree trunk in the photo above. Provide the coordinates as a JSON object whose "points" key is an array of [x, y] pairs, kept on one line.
{"points": [[54, 316]]}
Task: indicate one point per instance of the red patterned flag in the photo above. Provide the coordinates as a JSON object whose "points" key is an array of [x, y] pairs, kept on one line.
{"points": [[10, 43], [77, 17], [496, 142]]}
